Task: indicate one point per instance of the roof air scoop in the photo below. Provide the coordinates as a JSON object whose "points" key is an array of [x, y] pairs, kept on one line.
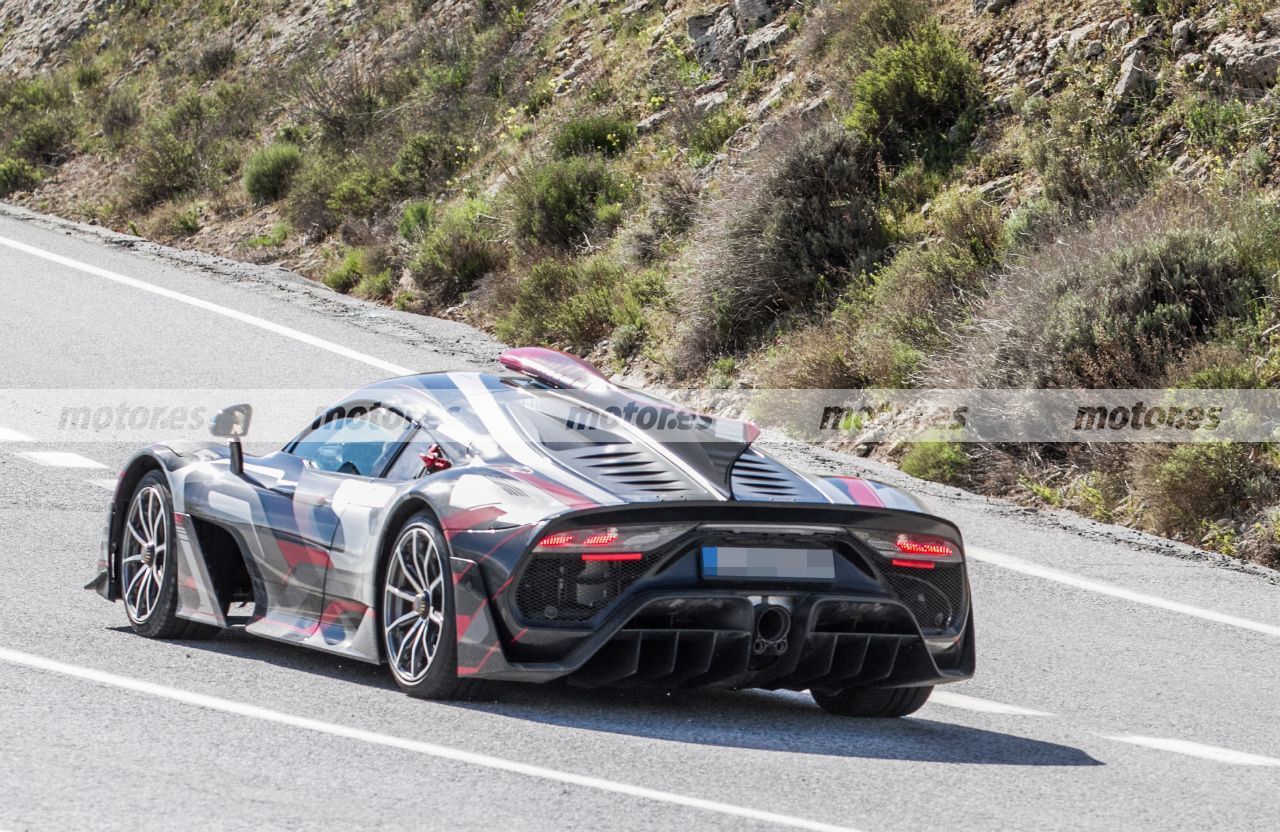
{"points": [[558, 369]]}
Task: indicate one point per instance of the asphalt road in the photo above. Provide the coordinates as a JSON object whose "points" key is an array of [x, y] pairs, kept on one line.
{"points": [[1123, 682]]}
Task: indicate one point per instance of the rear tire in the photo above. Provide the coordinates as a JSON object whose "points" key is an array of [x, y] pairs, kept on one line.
{"points": [[149, 565], [869, 702], [419, 626]]}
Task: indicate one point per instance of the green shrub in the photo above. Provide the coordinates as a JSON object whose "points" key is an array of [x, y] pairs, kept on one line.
{"points": [[460, 248], [120, 112], [269, 172], [43, 140], [377, 286], [556, 204], [1215, 125], [854, 29], [937, 460], [275, 237], [563, 304], [913, 94], [706, 136], [344, 277], [416, 221], [608, 135], [540, 95], [359, 193], [215, 59], [1084, 156], [167, 165], [186, 222], [310, 194], [1155, 299], [780, 242], [87, 75], [1185, 486], [426, 160], [367, 271], [1118, 302], [17, 175]]}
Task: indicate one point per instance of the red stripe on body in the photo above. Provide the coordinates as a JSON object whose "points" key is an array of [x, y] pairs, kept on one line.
{"points": [[861, 492]]}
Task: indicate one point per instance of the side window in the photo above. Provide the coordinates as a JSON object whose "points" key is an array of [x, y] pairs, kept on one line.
{"points": [[360, 442], [410, 465]]}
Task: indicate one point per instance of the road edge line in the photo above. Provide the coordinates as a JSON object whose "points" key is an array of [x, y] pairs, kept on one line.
{"points": [[215, 703], [984, 555]]}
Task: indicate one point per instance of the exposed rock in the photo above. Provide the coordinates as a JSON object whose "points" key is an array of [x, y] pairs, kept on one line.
{"points": [[1079, 35], [1133, 77], [1189, 63], [714, 36], [709, 85], [1209, 25], [653, 122], [1244, 61], [1183, 30], [815, 103], [763, 41], [1093, 49], [752, 14], [708, 102], [991, 6], [773, 95]]}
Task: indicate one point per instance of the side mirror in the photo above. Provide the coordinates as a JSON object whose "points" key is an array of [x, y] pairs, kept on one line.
{"points": [[232, 423]]}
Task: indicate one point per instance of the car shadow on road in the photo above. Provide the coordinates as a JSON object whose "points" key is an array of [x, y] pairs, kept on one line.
{"points": [[752, 719], [772, 721]]}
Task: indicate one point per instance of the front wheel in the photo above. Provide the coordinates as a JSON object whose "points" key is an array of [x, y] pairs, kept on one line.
{"points": [[868, 702], [149, 565], [419, 630]]}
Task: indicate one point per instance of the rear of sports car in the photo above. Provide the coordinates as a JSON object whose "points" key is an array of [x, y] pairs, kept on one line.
{"points": [[739, 594]]}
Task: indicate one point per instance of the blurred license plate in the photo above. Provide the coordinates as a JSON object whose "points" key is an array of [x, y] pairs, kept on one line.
{"points": [[754, 562]]}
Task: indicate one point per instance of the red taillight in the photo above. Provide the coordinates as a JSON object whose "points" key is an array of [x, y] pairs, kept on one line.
{"points": [[622, 540], [923, 546], [613, 557], [603, 538], [913, 564]]}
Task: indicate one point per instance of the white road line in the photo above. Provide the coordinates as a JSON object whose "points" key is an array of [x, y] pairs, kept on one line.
{"points": [[62, 459], [1049, 573], [429, 749], [982, 706], [10, 435], [1204, 752], [208, 306]]}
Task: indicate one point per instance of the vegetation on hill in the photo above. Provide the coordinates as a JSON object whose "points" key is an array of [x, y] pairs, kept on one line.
{"points": [[881, 193]]}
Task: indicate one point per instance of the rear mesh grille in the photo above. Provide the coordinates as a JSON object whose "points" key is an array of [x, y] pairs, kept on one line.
{"points": [[934, 596], [559, 588]]}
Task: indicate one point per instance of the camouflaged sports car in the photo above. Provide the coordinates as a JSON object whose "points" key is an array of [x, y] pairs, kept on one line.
{"points": [[548, 524]]}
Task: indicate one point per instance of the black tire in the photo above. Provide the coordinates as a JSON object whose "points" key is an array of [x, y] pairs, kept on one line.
{"points": [[153, 613], [869, 702], [439, 679]]}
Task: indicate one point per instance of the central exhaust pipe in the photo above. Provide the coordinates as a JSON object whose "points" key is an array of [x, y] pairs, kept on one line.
{"points": [[773, 623]]}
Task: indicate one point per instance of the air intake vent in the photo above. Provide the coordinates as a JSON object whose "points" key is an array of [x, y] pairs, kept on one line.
{"points": [[629, 470], [936, 597], [758, 477]]}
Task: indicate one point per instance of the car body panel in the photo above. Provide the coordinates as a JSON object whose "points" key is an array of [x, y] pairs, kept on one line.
{"points": [[307, 546]]}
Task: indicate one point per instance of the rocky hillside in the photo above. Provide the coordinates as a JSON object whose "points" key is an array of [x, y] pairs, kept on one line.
{"points": [[881, 193]]}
